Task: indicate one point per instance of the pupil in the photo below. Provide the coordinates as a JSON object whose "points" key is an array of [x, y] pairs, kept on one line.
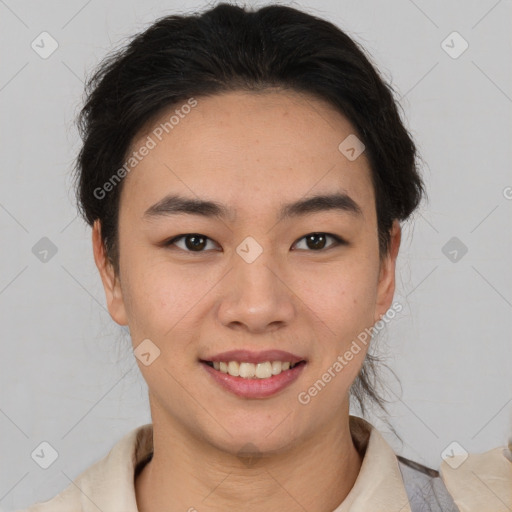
{"points": [[317, 241], [195, 242]]}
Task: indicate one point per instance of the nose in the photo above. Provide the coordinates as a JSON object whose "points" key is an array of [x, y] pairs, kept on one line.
{"points": [[255, 297]]}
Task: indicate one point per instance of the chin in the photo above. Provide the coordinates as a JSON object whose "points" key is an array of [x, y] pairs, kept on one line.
{"points": [[255, 434]]}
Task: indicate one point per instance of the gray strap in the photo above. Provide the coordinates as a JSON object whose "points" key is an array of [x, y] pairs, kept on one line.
{"points": [[425, 488]]}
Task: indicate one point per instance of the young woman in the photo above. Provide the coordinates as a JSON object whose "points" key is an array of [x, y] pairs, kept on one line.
{"points": [[245, 174]]}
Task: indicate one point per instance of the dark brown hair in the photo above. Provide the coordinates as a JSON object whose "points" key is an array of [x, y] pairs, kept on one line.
{"points": [[232, 48]]}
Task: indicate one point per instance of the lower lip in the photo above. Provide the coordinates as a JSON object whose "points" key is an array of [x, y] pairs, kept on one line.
{"points": [[255, 388]]}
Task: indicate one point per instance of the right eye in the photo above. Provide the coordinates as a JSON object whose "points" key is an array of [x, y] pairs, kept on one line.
{"points": [[190, 242]]}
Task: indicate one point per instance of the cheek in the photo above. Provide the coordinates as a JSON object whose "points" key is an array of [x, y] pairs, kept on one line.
{"points": [[165, 299], [343, 297], [158, 300]]}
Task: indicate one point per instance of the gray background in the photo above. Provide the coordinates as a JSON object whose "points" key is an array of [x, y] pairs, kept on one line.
{"points": [[67, 374]]}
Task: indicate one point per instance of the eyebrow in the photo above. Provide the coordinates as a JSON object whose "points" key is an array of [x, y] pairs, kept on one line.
{"points": [[175, 204]]}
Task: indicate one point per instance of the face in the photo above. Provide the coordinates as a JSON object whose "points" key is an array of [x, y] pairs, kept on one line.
{"points": [[262, 269]]}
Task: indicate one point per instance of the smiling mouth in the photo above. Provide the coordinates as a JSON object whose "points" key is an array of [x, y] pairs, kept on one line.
{"points": [[247, 370]]}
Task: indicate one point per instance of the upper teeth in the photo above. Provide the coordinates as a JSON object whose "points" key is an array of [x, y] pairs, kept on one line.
{"points": [[251, 370]]}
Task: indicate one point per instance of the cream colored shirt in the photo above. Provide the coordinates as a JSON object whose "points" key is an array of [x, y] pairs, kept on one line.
{"points": [[483, 483]]}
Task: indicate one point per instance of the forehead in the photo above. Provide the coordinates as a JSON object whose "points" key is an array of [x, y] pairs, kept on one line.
{"points": [[250, 150]]}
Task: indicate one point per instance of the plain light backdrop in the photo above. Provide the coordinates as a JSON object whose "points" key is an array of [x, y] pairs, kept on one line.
{"points": [[67, 374]]}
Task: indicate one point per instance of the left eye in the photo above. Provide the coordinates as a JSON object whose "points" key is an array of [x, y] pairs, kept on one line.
{"points": [[318, 241]]}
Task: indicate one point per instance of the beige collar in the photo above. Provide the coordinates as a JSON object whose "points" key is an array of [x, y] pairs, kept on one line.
{"points": [[482, 481], [108, 485], [379, 485]]}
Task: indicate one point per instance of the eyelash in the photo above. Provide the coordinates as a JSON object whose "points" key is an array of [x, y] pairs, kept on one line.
{"points": [[337, 241]]}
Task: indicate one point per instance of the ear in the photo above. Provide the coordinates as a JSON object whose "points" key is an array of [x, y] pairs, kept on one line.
{"points": [[386, 285], [110, 280]]}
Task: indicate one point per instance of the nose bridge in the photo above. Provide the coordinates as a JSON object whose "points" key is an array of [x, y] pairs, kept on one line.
{"points": [[256, 278], [254, 296]]}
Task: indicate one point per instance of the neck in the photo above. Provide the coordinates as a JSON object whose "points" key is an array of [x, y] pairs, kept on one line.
{"points": [[187, 474]]}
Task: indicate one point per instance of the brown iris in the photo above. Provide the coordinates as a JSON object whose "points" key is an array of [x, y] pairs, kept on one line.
{"points": [[195, 242], [316, 240]]}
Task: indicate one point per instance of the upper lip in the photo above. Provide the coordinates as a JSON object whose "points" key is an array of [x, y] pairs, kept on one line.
{"points": [[249, 356]]}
